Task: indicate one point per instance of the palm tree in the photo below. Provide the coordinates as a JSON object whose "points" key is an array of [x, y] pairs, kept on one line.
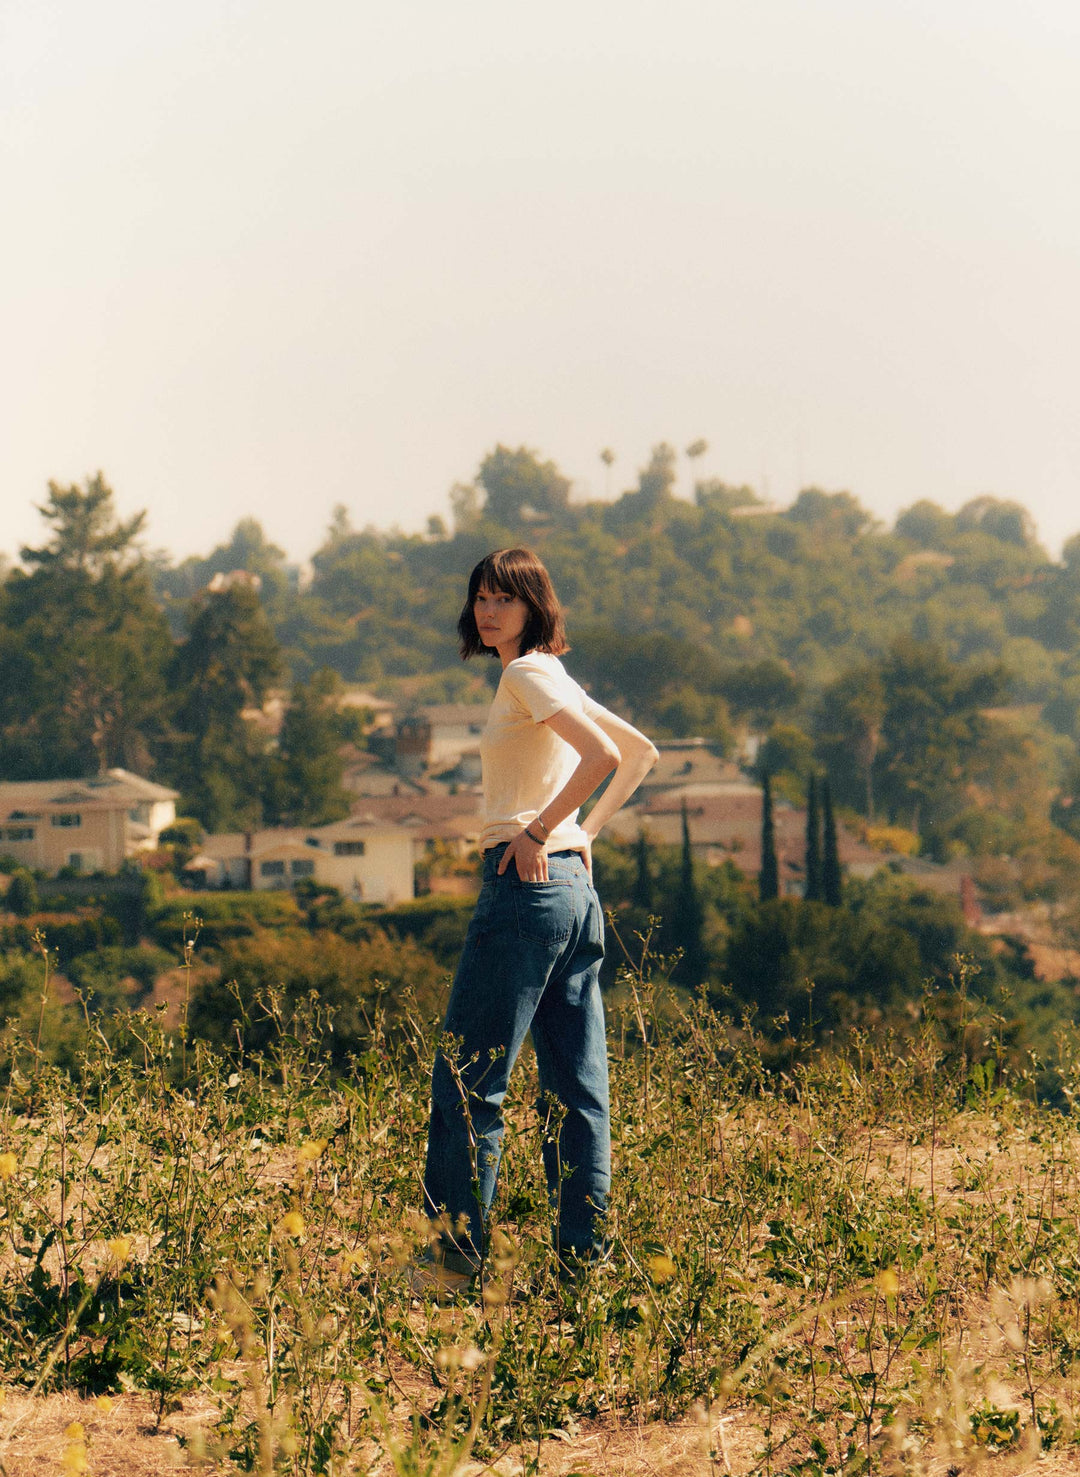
{"points": [[696, 449], [607, 456]]}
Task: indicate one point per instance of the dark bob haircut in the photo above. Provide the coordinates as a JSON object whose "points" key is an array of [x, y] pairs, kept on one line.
{"points": [[516, 572]]}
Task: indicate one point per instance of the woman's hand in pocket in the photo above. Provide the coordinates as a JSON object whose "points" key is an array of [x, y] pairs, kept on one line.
{"points": [[528, 855]]}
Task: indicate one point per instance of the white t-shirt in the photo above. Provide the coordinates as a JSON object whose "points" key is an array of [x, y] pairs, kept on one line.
{"points": [[526, 764]]}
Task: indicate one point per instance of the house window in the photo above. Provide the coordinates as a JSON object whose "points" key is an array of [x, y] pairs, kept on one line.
{"points": [[19, 833], [302, 868], [68, 818], [271, 869], [349, 848]]}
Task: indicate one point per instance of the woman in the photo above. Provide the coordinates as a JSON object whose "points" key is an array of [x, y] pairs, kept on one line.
{"points": [[532, 953]]}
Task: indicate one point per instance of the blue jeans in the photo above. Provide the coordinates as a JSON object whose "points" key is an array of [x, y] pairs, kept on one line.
{"points": [[531, 962]]}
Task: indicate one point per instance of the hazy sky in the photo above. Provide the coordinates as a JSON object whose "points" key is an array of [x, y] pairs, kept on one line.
{"points": [[263, 258]]}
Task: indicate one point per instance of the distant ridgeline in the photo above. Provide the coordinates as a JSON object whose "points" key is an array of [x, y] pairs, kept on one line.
{"points": [[932, 669]]}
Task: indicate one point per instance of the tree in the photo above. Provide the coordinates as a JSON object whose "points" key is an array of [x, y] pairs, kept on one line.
{"points": [[927, 525], [763, 690], [849, 724], [225, 666], [814, 890], [787, 753], [769, 876], [607, 456], [831, 880], [934, 727], [520, 487], [87, 536], [83, 645], [688, 920], [1006, 521], [643, 890], [694, 451], [22, 894], [656, 481], [837, 513], [306, 776], [647, 507]]}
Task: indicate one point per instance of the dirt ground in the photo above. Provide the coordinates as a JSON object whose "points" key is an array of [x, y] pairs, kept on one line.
{"points": [[36, 1439]]}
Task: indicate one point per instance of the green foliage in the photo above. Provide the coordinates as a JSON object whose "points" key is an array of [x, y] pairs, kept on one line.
{"points": [[268, 978], [227, 663], [118, 976], [814, 889], [21, 897], [520, 489], [688, 918], [886, 644], [769, 876], [305, 776], [787, 757], [83, 646], [68, 937], [222, 916], [805, 1254], [831, 879]]}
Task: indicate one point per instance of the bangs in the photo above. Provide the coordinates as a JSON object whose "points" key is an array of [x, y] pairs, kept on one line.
{"points": [[516, 572]]}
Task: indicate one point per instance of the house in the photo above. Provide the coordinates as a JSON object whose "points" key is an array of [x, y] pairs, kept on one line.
{"points": [[366, 774], [368, 859], [91, 824], [453, 820], [437, 736], [725, 825], [690, 766]]}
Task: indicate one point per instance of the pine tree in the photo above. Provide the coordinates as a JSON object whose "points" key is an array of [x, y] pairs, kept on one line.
{"points": [[831, 882], [769, 877], [815, 889], [689, 919]]}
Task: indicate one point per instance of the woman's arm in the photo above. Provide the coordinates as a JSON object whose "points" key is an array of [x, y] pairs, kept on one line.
{"points": [[637, 755], [603, 744], [598, 756]]}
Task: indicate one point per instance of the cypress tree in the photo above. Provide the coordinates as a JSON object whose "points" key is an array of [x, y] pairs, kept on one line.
{"points": [[641, 893], [814, 890], [769, 878], [831, 882], [689, 919]]}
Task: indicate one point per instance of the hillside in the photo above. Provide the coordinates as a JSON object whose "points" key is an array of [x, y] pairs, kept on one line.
{"points": [[866, 1261]]}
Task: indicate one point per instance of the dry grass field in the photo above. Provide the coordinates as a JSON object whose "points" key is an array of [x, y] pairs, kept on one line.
{"points": [[849, 1261]]}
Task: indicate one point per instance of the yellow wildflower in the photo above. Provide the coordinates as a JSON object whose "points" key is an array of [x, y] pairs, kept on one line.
{"points": [[104, 1403], [76, 1431], [291, 1223], [888, 1282], [661, 1268], [310, 1150], [120, 1248], [74, 1458], [8, 1165]]}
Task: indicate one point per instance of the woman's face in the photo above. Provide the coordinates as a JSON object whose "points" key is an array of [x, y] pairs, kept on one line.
{"points": [[501, 619]]}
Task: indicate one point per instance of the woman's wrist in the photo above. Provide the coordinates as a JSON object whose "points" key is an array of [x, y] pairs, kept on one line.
{"points": [[535, 839]]}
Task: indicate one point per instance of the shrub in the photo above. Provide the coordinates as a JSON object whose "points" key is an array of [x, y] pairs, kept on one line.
{"points": [[22, 894], [222, 916], [114, 976], [263, 981]]}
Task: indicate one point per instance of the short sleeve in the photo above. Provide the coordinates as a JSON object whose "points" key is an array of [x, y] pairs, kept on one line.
{"points": [[542, 687]]}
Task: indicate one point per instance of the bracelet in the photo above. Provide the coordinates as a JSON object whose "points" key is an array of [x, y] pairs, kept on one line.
{"points": [[543, 825], [531, 837]]}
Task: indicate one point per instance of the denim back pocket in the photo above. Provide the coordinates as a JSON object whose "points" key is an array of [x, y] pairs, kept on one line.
{"points": [[545, 910]]}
